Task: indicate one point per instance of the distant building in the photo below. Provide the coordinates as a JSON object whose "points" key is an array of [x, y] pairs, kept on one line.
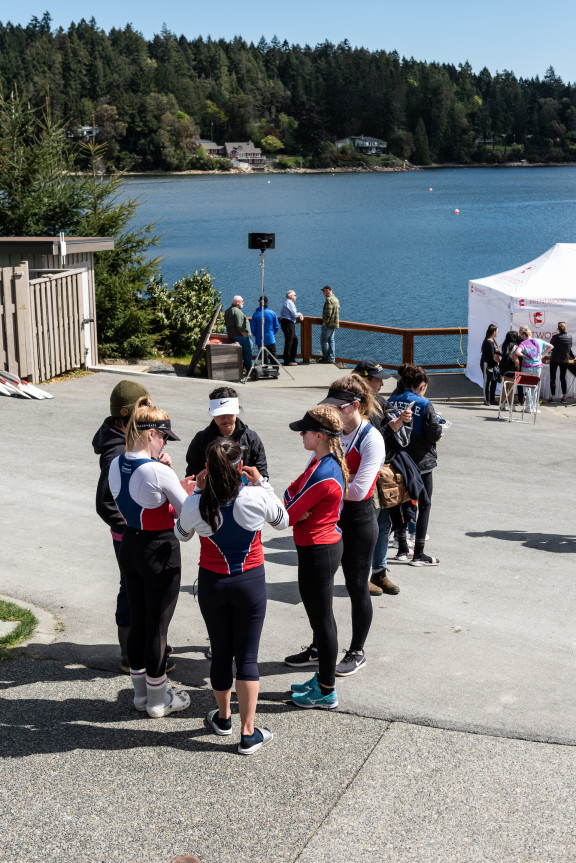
{"points": [[363, 144], [244, 151], [84, 133], [212, 149]]}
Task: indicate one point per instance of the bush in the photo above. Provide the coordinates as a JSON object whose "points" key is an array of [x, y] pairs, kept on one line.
{"points": [[179, 316]]}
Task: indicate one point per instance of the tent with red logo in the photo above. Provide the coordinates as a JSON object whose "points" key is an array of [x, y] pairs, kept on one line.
{"points": [[538, 294]]}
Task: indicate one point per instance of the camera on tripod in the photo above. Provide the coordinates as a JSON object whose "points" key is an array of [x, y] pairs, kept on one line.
{"points": [[262, 242]]}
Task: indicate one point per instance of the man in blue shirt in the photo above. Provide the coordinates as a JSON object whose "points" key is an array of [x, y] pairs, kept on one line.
{"points": [[271, 327], [288, 318]]}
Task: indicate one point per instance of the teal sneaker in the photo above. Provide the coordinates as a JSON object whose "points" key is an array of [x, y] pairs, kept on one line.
{"points": [[315, 698], [304, 687]]}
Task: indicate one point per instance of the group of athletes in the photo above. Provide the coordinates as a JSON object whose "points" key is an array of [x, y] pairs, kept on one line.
{"points": [[334, 508]]}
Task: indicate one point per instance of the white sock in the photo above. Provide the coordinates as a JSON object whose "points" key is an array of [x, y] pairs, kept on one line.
{"points": [[156, 691], [138, 679]]}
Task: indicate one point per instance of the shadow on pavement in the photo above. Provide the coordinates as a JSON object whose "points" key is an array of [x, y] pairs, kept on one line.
{"points": [[558, 543]]}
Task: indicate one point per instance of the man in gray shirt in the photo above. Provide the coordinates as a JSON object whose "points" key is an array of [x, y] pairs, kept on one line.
{"points": [[288, 317], [237, 329]]}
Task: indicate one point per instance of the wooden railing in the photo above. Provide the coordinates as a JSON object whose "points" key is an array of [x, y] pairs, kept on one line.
{"points": [[409, 355]]}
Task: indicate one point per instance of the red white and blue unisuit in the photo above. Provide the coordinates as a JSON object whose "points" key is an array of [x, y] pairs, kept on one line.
{"points": [[319, 490], [236, 546], [144, 490]]}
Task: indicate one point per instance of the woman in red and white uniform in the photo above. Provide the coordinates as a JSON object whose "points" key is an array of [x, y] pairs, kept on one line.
{"points": [[364, 450], [228, 517], [148, 495], [314, 502]]}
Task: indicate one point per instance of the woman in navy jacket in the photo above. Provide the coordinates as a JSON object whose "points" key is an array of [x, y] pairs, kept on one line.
{"points": [[426, 432]]}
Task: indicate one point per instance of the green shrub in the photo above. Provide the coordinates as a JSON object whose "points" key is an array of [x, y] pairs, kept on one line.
{"points": [[179, 316]]}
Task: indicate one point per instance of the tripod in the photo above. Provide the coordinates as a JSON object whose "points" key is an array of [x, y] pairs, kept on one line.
{"points": [[264, 357]]}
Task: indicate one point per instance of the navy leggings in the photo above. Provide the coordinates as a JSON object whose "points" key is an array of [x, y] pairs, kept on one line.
{"points": [[233, 608], [317, 565], [151, 563]]}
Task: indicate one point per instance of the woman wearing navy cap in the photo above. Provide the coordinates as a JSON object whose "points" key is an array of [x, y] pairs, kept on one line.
{"points": [[364, 451], [314, 502], [147, 493]]}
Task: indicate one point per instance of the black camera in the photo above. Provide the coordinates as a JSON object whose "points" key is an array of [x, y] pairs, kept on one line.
{"points": [[262, 242]]}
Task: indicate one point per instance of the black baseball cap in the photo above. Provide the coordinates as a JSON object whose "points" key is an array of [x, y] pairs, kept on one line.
{"points": [[310, 423], [370, 369], [163, 426]]}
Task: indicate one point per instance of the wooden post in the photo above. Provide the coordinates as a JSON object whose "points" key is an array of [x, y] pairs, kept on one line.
{"points": [[408, 347], [306, 340], [24, 328]]}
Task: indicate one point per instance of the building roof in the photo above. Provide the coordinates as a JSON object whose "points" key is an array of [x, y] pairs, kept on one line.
{"points": [[51, 245]]}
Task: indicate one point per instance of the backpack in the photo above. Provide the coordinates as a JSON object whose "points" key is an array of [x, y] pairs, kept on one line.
{"points": [[391, 487]]}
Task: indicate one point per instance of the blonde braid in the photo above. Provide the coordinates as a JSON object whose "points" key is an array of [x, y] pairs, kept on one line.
{"points": [[330, 418]]}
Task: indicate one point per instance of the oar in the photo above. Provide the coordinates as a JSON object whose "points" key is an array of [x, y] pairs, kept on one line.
{"points": [[5, 391], [14, 390], [28, 389]]}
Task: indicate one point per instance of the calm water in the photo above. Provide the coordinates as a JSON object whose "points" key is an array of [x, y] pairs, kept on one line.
{"points": [[395, 252]]}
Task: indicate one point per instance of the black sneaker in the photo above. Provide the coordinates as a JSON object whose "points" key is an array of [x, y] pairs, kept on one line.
{"points": [[309, 656], [350, 664]]}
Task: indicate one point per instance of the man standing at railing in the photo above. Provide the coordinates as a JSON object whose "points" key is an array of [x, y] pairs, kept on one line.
{"points": [[330, 323], [288, 317]]}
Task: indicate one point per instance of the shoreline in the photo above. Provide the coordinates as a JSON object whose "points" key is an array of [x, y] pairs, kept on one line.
{"points": [[236, 172]]}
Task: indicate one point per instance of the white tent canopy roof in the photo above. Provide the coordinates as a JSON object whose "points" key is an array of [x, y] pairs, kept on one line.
{"points": [[553, 274]]}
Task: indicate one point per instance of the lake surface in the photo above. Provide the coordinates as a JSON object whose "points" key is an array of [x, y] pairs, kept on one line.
{"points": [[395, 252]]}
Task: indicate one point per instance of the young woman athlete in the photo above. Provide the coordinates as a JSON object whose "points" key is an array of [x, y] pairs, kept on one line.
{"points": [[147, 493], [314, 502], [364, 451], [228, 516]]}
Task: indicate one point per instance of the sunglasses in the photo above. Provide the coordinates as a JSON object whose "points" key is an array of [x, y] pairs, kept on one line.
{"points": [[162, 434], [345, 405]]}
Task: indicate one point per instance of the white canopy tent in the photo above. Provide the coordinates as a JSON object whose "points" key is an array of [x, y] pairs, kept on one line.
{"points": [[538, 294]]}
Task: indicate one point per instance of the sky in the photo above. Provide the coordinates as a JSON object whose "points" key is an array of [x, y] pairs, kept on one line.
{"points": [[517, 35]]}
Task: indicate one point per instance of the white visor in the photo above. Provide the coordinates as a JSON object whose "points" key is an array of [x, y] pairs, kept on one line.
{"points": [[224, 406]]}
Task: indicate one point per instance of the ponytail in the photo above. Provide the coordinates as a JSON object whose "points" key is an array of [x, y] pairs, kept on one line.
{"points": [[223, 479], [144, 412]]}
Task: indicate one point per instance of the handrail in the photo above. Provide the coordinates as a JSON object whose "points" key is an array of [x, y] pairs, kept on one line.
{"points": [[407, 335]]}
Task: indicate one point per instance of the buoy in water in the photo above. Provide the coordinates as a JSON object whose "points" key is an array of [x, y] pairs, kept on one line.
{"points": [[430, 189], [456, 211]]}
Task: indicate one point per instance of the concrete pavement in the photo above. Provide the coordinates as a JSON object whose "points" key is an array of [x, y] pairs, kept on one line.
{"points": [[418, 764]]}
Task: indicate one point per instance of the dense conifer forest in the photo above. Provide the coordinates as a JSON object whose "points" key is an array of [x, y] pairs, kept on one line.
{"points": [[154, 99]]}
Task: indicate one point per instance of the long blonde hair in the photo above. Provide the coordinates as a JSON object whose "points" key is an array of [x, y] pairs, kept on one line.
{"points": [[360, 391], [144, 412], [330, 418]]}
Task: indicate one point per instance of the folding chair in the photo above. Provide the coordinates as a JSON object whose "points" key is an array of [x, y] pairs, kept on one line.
{"points": [[531, 386]]}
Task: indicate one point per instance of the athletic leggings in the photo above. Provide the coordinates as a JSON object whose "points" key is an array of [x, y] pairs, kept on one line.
{"points": [[359, 534], [151, 563], [554, 366], [423, 514], [233, 608], [317, 565]]}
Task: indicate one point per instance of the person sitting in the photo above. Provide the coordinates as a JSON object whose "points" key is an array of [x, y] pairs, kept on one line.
{"points": [[271, 327]]}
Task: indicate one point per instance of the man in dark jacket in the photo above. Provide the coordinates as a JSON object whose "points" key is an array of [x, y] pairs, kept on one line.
{"points": [[224, 409], [109, 442]]}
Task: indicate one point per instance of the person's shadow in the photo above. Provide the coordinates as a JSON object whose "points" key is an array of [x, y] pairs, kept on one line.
{"points": [[558, 543]]}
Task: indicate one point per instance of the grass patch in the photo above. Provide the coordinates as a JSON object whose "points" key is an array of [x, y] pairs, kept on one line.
{"points": [[67, 376], [26, 624]]}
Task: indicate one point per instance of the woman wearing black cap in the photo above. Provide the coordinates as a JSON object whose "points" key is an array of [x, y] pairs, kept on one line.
{"points": [[364, 451], [146, 492], [314, 502]]}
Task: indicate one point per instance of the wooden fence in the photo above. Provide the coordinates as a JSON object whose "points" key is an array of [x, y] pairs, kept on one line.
{"points": [[43, 322]]}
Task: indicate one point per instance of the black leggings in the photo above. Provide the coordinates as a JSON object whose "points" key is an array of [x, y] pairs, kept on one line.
{"points": [[359, 534], [553, 369], [423, 514], [151, 563], [233, 608], [489, 385], [317, 565]]}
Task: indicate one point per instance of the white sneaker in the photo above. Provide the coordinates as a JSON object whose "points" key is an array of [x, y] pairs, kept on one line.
{"points": [[178, 701]]}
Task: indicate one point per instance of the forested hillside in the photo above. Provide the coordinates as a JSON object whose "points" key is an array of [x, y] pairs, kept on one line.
{"points": [[154, 99]]}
